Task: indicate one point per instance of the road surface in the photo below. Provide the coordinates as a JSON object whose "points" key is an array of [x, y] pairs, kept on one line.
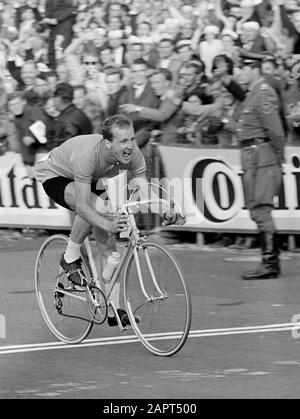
{"points": [[243, 343]]}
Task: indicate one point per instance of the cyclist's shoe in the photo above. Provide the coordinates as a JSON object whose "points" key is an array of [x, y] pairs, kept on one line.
{"points": [[74, 272], [112, 321]]}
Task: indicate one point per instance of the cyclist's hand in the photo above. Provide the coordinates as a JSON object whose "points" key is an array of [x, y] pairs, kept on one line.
{"points": [[119, 223], [171, 218]]}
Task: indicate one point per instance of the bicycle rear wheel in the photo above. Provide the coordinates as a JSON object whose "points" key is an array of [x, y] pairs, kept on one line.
{"points": [[65, 310], [155, 292]]}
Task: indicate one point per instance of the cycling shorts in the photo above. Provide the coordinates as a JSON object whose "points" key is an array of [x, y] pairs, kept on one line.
{"points": [[55, 189]]}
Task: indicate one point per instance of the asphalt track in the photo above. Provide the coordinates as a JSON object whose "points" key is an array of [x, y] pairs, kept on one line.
{"points": [[242, 344]]}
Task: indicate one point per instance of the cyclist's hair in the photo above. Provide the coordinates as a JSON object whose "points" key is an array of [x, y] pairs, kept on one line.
{"points": [[120, 121]]}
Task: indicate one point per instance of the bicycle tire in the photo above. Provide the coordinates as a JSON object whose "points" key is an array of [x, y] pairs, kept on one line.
{"points": [[164, 319], [72, 322]]}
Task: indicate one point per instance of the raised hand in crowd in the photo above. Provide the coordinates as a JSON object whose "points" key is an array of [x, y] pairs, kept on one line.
{"points": [[28, 140]]}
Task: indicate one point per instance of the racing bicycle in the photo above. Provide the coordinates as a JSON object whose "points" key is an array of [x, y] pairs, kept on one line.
{"points": [[155, 293]]}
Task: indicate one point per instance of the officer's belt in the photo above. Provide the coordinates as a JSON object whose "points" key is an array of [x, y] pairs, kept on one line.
{"points": [[254, 141]]}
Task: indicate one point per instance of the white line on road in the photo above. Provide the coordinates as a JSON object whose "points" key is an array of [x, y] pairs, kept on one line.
{"points": [[15, 349]]}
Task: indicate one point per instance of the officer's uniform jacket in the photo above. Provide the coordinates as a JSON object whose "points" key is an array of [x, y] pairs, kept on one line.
{"points": [[260, 119], [261, 137]]}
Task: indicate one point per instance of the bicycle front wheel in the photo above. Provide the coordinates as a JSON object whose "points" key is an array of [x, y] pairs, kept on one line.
{"points": [[157, 299], [65, 310]]}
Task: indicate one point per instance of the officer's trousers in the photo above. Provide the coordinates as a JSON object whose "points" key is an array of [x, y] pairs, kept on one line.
{"points": [[262, 180]]}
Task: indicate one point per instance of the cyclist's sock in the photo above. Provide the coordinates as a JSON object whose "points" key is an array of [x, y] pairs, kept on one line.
{"points": [[72, 252], [115, 298]]}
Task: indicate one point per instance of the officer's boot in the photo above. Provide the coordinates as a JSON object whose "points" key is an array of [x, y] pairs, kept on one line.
{"points": [[271, 258], [270, 266]]}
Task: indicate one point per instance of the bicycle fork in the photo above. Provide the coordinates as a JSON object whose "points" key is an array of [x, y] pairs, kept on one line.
{"points": [[162, 294]]}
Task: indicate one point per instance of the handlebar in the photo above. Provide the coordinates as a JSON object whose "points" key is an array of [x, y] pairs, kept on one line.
{"points": [[130, 206], [168, 213]]}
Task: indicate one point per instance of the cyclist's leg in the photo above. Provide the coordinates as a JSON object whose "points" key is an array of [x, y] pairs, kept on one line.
{"points": [[106, 244], [80, 228], [62, 191]]}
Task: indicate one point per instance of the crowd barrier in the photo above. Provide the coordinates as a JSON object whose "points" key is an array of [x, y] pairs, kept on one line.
{"points": [[23, 202], [205, 181], [212, 192]]}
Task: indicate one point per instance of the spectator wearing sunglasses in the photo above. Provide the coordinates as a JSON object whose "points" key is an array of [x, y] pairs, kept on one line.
{"points": [[94, 79]]}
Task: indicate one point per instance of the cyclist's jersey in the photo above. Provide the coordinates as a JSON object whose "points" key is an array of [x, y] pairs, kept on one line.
{"points": [[85, 159]]}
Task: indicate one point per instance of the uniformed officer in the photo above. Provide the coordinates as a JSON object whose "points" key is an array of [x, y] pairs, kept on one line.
{"points": [[261, 137]]}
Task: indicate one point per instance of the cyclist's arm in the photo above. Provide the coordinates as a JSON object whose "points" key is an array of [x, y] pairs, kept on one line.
{"points": [[86, 209]]}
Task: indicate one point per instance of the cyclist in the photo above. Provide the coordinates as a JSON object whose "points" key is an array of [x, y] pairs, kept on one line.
{"points": [[69, 175]]}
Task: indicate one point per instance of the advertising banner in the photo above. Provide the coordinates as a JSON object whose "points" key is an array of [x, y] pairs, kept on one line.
{"points": [[208, 184], [23, 202]]}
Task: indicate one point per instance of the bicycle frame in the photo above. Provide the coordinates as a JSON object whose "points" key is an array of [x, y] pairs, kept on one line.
{"points": [[134, 242]]}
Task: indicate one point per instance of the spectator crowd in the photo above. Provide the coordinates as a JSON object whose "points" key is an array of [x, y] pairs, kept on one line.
{"points": [[173, 66]]}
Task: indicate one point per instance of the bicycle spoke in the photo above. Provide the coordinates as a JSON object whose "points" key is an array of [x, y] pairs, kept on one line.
{"points": [[155, 292]]}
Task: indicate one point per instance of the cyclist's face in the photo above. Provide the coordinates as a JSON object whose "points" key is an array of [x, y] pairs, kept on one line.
{"points": [[123, 144]]}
